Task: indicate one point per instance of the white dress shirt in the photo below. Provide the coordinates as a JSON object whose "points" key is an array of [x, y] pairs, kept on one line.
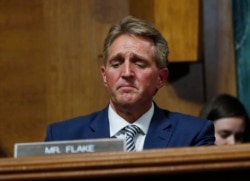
{"points": [[117, 124]]}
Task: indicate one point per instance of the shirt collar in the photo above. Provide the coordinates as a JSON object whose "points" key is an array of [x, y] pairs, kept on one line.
{"points": [[117, 123]]}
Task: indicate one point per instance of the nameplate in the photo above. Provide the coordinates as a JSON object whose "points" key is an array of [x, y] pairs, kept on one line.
{"points": [[68, 147]]}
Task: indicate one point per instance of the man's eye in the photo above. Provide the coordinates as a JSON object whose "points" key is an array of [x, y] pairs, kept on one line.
{"points": [[115, 64], [141, 64]]}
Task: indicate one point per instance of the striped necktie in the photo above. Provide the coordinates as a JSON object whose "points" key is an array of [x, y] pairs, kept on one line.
{"points": [[131, 131]]}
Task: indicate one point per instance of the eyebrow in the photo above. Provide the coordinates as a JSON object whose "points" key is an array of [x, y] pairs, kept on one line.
{"points": [[134, 56]]}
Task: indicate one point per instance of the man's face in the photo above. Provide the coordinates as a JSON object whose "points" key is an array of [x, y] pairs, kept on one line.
{"points": [[131, 74]]}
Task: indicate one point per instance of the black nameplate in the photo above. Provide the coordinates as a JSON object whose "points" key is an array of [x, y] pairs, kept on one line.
{"points": [[68, 147]]}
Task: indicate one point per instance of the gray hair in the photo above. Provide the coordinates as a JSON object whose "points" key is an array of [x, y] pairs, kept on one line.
{"points": [[134, 26]]}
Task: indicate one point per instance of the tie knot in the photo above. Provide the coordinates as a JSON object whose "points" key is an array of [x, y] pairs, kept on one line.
{"points": [[131, 131]]}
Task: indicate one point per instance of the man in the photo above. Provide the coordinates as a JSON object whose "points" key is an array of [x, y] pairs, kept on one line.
{"points": [[135, 56]]}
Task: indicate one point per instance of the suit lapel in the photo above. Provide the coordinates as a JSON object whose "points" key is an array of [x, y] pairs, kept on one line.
{"points": [[160, 131], [99, 128]]}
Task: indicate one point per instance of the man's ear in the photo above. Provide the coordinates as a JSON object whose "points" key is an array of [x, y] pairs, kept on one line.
{"points": [[163, 77], [103, 75], [104, 79]]}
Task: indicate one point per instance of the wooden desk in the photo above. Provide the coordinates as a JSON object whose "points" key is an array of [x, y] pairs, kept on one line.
{"points": [[191, 163]]}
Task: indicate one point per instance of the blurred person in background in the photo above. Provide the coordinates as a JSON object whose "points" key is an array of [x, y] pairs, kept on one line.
{"points": [[230, 118]]}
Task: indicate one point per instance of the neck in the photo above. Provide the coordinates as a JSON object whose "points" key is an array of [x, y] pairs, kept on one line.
{"points": [[131, 113]]}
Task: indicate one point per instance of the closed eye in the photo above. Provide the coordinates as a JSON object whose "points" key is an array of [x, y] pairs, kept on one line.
{"points": [[141, 64], [116, 62], [224, 134]]}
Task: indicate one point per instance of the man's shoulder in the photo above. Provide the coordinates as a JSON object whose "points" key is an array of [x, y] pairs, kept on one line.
{"points": [[183, 117], [81, 119]]}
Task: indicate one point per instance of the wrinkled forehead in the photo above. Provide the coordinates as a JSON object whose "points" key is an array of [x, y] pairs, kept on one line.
{"points": [[132, 45]]}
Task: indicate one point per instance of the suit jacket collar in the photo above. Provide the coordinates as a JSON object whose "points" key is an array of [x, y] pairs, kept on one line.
{"points": [[159, 131], [158, 135], [100, 125]]}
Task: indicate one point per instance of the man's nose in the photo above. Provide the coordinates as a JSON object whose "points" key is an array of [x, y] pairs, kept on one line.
{"points": [[127, 69]]}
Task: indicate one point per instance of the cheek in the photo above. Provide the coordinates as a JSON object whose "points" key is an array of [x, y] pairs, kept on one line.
{"points": [[219, 140], [151, 79], [111, 78], [218, 137]]}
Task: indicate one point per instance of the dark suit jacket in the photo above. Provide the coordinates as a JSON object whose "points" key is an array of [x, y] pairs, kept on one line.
{"points": [[167, 129]]}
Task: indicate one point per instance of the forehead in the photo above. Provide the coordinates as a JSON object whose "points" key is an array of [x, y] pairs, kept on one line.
{"points": [[126, 44], [230, 123]]}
